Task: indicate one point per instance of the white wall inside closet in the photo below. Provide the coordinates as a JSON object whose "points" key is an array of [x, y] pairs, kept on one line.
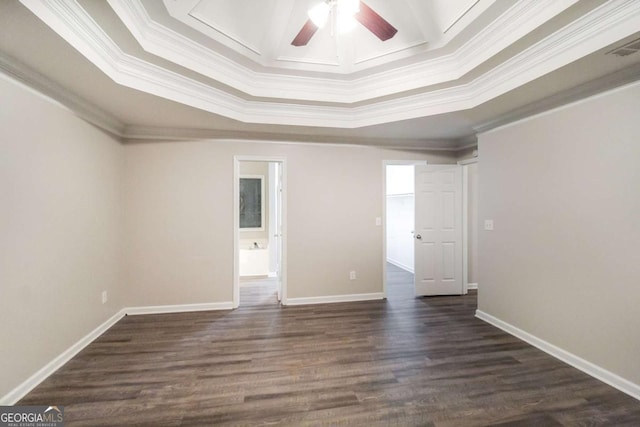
{"points": [[400, 216]]}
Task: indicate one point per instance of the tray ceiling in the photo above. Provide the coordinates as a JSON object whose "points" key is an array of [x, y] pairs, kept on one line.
{"points": [[233, 58]]}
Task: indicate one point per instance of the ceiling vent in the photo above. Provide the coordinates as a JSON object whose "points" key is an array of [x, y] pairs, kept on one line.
{"points": [[627, 49]]}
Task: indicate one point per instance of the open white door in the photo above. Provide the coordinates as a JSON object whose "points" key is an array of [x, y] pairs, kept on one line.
{"points": [[438, 230]]}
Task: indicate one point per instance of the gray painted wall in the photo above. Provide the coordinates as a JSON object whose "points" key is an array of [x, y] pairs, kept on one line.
{"points": [[60, 230], [179, 222], [563, 262]]}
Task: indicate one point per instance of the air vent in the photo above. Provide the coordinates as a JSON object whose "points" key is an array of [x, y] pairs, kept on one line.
{"points": [[627, 49]]}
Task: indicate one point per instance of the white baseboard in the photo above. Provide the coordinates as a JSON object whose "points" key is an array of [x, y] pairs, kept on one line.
{"points": [[335, 298], [400, 265], [472, 286], [30, 383], [180, 308], [588, 368]]}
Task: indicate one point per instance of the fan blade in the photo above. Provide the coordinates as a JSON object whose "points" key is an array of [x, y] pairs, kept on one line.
{"points": [[305, 34], [375, 23]]}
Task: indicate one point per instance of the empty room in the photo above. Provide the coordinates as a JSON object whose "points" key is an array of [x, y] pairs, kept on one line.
{"points": [[325, 212]]}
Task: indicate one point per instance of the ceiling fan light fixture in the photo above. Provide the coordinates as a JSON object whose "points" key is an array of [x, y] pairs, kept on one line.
{"points": [[319, 14], [348, 7], [346, 22]]}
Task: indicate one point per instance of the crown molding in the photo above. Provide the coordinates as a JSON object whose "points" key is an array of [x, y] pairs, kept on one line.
{"points": [[520, 19], [53, 91], [602, 26], [140, 134], [606, 83]]}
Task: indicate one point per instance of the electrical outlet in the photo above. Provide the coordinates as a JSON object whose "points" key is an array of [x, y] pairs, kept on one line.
{"points": [[488, 224], [352, 275], [104, 297]]}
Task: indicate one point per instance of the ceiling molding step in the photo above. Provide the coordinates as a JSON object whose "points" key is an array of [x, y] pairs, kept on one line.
{"points": [[512, 25], [166, 43], [516, 22], [601, 27], [467, 143], [141, 134], [53, 91], [609, 82], [308, 61], [409, 46], [233, 37], [604, 25], [471, 4], [597, 29]]}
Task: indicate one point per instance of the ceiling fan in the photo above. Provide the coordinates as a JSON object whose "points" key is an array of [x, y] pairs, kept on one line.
{"points": [[344, 14]]}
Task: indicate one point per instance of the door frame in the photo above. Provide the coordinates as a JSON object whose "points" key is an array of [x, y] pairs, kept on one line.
{"points": [[465, 217], [386, 163], [236, 223], [465, 221]]}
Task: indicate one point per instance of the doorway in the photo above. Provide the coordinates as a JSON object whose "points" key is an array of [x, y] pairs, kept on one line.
{"points": [[259, 209], [470, 220], [399, 238], [398, 221]]}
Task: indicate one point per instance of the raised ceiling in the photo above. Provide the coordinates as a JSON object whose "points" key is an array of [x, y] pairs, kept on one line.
{"points": [[227, 67]]}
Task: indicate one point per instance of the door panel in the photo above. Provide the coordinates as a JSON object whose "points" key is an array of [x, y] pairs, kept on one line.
{"points": [[438, 230]]}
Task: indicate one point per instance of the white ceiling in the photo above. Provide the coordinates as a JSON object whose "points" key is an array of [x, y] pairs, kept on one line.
{"points": [[145, 69]]}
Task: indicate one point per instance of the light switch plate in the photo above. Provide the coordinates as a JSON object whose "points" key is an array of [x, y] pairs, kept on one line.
{"points": [[488, 224], [378, 221]]}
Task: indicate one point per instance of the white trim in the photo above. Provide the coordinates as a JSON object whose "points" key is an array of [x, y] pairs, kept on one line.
{"points": [[336, 299], [236, 233], [516, 22], [236, 224], [177, 308], [465, 229], [407, 46], [608, 82], [577, 362], [36, 83], [596, 29], [465, 140], [42, 374], [467, 162], [30, 383], [561, 107], [472, 286], [228, 34], [47, 89], [458, 17], [137, 134]]}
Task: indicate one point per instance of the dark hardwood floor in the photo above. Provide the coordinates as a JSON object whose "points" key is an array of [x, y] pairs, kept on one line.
{"points": [[403, 361]]}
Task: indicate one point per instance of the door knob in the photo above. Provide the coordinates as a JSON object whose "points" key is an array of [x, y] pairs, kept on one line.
{"points": [[419, 237]]}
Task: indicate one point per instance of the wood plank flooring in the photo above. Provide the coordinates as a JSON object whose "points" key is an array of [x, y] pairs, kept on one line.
{"points": [[403, 361]]}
